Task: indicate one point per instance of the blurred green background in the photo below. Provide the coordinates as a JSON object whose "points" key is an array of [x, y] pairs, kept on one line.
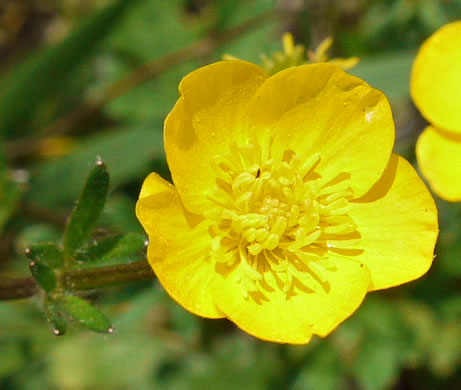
{"points": [[87, 78]]}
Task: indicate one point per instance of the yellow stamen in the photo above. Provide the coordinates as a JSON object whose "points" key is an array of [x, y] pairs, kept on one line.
{"points": [[274, 220]]}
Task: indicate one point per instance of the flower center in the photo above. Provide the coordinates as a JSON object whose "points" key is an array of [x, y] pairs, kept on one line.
{"points": [[276, 219]]}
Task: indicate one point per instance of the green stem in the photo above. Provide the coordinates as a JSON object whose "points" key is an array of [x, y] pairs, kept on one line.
{"points": [[87, 279], [80, 279]]}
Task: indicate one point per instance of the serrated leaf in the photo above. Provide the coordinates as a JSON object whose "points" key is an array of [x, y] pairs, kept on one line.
{"points": [[39, 76], [55, 317], [88, 209], [46, 253], [127, 246], [44, 276], [86, 314]]}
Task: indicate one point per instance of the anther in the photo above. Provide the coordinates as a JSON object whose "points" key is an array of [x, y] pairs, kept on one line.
{"points": [[275, 220], [279, 226], [271, 241], [261, 235], [242, 182], [338, 195], [254, 220], [294, 214], [241, 201], [250, 234], [255, 249]]}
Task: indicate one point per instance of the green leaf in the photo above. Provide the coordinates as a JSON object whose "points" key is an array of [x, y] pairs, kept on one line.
{"points": [[9, 191], [55, 317], [151, 30], [154, 28], [140, 145], [44, 276], [445, 349], [40, 76], [12, 357], [46, 253], [431, 14], [136, 105], [88, 209], [383, 344], [259, 39], [423, 326], [388, 72], [86, 314], [126, 247], [119, 215], [9, 195], [377, 364], [323, 371]]}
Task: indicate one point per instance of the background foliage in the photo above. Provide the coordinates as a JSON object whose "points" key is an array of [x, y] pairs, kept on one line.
{"points": [[87, 78]]}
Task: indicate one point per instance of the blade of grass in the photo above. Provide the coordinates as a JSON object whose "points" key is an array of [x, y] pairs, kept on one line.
{"points": [[39, 76]]}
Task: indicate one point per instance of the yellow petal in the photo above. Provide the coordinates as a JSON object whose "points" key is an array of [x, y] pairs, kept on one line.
{"points": [[294, 319], [397, 220], [176, 250], [436, 78], [206, 118], [439, 158], [319, 108]]}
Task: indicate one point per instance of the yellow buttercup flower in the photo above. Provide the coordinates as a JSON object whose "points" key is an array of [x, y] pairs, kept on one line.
{"points": [[436, 91], [295, 55], [288, 205]]}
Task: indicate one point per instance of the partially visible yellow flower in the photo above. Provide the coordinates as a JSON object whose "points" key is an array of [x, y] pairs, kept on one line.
{"points": [[292, 55], [295, 55], [321, 55], [288, 205], [436, 91]]}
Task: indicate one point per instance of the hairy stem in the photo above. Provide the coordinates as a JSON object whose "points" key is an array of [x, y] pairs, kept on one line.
{"points": [[17, 288], [80, 279]]}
